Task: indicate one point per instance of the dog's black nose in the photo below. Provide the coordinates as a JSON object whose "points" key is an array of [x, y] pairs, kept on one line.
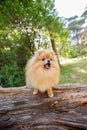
{"points": [[48, 61]]}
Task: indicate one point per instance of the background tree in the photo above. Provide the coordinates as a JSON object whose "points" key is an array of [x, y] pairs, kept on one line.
{"points": [[25, 26], [78, 32]]}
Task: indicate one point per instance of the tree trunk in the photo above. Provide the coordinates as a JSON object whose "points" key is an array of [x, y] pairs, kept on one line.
{"points": [[54, 47], [21, 110]]}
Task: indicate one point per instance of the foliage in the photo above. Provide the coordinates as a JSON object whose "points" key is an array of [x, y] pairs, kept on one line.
{"points": [[73, 52], [83, 51], [25, 26], [78, 32], [11, 75]]}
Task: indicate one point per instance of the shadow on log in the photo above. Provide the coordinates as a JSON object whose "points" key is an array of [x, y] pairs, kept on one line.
{"points": [[21, 110]]}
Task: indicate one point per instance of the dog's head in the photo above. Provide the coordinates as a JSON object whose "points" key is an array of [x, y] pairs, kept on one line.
{"points": [[45, 58]]}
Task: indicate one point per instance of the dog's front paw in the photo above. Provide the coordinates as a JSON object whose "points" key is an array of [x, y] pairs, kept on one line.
{"points": [[35, 91], [51, 95], [50, 92]]}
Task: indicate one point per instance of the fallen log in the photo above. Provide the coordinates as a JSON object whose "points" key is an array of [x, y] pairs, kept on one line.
{"points": [[21, 110]]}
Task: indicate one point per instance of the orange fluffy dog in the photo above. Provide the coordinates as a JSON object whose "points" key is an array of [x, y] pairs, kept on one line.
{"points": [[42, 72]]}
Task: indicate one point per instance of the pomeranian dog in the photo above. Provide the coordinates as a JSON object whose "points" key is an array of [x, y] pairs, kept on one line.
{"points": [[42, 72]]}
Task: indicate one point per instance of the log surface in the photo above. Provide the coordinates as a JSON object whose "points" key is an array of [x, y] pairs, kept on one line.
{"points": [[21, 110]]}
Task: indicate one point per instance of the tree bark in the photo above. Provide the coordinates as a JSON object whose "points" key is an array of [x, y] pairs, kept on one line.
{"points": [[21, 110], [54, 47]]}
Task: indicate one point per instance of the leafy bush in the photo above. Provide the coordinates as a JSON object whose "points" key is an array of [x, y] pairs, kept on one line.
{"points": [[83, 52], [73, 52], [11, 76]]}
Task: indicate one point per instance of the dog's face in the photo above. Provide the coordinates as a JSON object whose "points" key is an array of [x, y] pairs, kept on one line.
{"points": [[45, 58]]}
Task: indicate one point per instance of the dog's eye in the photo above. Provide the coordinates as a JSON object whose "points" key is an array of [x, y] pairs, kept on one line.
{"points": [[51, 59], [43, 59]]}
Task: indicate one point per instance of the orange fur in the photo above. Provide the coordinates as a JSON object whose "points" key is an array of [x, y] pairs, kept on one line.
{"points": [[40, 78]]}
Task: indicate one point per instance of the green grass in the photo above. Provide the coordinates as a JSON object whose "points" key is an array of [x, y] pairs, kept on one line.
{"points": [[74, 72]]}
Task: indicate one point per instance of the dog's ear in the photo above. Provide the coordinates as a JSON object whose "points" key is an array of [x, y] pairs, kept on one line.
{"points": [[39, 52], [52, 52]]}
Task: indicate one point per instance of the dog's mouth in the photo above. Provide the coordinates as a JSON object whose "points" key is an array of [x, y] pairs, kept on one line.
{"points": [[47, 66]]}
